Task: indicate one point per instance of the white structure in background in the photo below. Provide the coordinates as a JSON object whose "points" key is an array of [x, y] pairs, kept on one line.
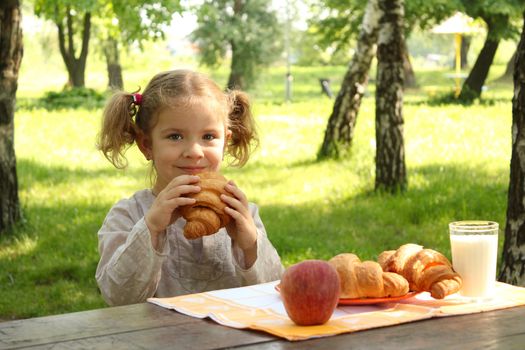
{"points": [[459, 24]]}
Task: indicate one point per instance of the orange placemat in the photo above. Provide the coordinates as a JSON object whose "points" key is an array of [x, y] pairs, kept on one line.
{"points": [[260, 307]]}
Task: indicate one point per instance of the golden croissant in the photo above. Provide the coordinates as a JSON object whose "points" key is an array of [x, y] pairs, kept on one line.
{"points": [[425, 269], [206, 216], [366, 279]]}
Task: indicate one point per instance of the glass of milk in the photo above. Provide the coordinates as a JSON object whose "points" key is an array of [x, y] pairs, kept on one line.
{"points": [[474, 246]]}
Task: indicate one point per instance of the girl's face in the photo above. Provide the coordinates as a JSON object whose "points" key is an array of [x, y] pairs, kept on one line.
{"points": [[185, 140]]}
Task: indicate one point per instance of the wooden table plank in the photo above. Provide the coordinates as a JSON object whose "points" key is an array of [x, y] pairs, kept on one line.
{"points": [[118, 327], [501, 329], [81, 324], [147, 326], [200, 335]]}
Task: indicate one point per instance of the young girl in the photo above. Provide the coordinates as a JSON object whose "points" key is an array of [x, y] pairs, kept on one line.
{"points": [[184, 124]]}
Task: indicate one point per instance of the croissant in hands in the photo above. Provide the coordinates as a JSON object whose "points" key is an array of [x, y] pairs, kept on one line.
{"points": [[366, 279], [425, 269], [206, 216]]}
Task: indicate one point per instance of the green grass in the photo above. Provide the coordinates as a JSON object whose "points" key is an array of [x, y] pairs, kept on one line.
{"points": [[457, 160]]}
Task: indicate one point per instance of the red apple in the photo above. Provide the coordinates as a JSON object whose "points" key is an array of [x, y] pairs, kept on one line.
{"points": [[310, 292]]}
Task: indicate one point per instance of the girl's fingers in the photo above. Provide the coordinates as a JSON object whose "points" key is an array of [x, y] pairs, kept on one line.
{"points": [[182, 180], [233, 213], [231, 201], [181, 201], [237, 193], [235, 204], [174, 203], [181, 190]]}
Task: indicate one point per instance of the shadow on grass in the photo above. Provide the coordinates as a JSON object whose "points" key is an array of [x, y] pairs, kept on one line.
{"points": [[70, 98], [51, 261], [370, 222], [256, 166], [52, 258], [31, 172]]}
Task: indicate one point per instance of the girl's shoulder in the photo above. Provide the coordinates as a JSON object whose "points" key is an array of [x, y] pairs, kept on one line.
{"points": [[141, 196], [136, 205]]}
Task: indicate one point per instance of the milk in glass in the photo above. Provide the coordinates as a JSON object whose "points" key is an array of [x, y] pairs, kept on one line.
{"points": [[473, 257]]}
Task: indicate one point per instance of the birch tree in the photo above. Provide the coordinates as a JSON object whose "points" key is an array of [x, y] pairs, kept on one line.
{"points": [[11, 48], [390, 149], [341, 124], [513, 256]]}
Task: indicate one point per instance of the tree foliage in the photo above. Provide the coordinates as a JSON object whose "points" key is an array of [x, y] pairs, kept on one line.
{"points": [[118, 27], [248, 30], [132, 20], [500, 16], [338, 24], [125, 22], [73, 21], [139, 20], [60, 11]]}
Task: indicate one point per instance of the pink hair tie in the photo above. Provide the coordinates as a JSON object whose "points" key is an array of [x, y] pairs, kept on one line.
{"points": [[137, 98]]}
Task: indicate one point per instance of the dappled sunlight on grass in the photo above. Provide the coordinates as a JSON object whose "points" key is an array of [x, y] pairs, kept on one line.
{"points": [[319, 183], [470, 136], [368, 222], [22, 245], [457, 161], [59, 253], [457, 164]]}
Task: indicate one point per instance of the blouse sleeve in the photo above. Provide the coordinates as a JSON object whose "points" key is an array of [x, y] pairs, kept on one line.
{"points": [[268, 266], [129, 268]]}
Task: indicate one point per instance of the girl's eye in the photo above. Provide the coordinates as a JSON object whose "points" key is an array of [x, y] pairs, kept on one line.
{"points": [[209, 137], [175, 137]]}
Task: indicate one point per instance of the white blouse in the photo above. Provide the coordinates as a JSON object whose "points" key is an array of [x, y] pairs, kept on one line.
{"points": [[130, 270]]}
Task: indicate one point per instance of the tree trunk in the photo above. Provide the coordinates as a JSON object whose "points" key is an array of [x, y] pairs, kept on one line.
{"points": [[111, 53], [509, 70], [76, 66], [390, 152], [236, 78], [341, 124], [476, 79], [513, 256], [408, 71], [11, 51], [465, 46]]}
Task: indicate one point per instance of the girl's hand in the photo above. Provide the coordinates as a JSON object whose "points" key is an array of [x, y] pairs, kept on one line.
{"points": [[163, 210], [242, 229]]}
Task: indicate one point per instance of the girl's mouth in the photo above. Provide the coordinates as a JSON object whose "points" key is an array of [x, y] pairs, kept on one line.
{"points": [[192, 170]]}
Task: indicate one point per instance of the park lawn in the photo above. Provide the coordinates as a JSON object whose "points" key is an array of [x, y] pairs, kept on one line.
{"points": [[457, 160]]}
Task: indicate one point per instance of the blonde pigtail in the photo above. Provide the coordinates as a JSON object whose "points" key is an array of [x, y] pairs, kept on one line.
{"points": [[242, 125], [118, 130]]}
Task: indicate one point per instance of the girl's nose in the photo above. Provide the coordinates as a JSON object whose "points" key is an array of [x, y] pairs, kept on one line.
{"points": [[193, 150]]}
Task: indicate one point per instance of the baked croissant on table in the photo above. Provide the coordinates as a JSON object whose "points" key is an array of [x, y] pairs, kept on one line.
{"points": [[366, 279], [206, 216], [425, 269]]}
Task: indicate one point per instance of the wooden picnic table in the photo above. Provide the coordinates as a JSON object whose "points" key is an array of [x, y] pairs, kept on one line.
{"points": [[147, 326]]}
